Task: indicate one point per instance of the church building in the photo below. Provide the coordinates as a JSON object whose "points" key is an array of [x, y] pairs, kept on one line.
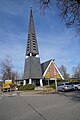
{"points": [[34, 71]]}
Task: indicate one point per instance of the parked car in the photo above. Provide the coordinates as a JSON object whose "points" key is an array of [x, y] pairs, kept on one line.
{"points": [[65, 86], [76, 85]]}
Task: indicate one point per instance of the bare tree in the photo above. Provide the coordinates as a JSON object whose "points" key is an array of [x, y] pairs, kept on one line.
{"points": [[6, 68], [76, 71], [17, 75], [69, 10], [7, 72], [44, 4], [64, 72]]}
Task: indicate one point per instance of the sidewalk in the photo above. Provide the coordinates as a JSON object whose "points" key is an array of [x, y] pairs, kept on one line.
{"points": [[27, 93]]}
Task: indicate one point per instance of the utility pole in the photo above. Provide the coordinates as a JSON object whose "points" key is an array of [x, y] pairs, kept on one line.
{"points": [[56, 82], [48, 82]]}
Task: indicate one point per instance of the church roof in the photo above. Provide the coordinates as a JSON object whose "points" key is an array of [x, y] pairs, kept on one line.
{"points": [[32, 46], [50, 70], [32, 68], [45, 65]]}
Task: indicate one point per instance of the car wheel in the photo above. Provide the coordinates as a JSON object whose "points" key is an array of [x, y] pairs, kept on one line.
{"points": [[76, 88], [63, 89]]}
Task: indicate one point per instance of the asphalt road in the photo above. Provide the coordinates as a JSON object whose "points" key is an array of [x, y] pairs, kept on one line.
{"points": [[63, 106]]}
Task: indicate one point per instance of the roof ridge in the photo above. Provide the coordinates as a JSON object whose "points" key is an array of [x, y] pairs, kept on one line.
{"points": [[48, 61]]}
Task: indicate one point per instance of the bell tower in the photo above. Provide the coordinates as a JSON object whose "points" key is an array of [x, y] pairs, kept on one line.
{"points": [[32, 68]]}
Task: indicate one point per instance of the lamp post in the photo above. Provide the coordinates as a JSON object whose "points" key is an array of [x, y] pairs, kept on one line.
{"points": [[48, 82], [56, 82], [0, 91]]}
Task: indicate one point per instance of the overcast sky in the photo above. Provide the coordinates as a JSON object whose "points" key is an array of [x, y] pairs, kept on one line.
{"points": [[55, 41]]}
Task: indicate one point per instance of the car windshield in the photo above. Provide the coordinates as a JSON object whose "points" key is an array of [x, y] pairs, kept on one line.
{"points": [[68, 83], [60, 84], [76, 83]]}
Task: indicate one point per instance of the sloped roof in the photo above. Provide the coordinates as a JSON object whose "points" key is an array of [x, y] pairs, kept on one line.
{"points": [[45, 65], [32, 68]]}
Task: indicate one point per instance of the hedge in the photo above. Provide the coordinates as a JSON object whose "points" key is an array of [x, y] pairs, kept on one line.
{"points": [[26, 87]]}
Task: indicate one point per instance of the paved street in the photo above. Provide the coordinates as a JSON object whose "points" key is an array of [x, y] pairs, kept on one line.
{"points": [[63, 106]]}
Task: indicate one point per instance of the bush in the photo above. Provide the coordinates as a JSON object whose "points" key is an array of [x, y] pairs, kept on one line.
{"points": [[27, 87], [53, 86]]}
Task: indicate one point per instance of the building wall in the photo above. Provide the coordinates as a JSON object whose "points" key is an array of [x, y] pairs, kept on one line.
{"points": [[52, 72]]}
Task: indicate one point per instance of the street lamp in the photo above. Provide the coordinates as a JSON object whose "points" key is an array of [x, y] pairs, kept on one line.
{"points": [[56, 82]]}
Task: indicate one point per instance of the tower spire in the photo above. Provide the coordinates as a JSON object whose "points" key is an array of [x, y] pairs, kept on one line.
{"points": [[32, 68], [32, 47]]}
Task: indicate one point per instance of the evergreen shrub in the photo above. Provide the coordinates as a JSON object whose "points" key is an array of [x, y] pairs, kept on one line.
{"points": [[27, 87], [53, 86]]}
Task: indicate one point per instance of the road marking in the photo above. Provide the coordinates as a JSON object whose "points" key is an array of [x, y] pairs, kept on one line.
{"points": [[37, 111], [31, 95]]}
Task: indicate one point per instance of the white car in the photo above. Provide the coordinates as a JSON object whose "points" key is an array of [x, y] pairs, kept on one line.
{"points": [[76, 85], [65, 86]]}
